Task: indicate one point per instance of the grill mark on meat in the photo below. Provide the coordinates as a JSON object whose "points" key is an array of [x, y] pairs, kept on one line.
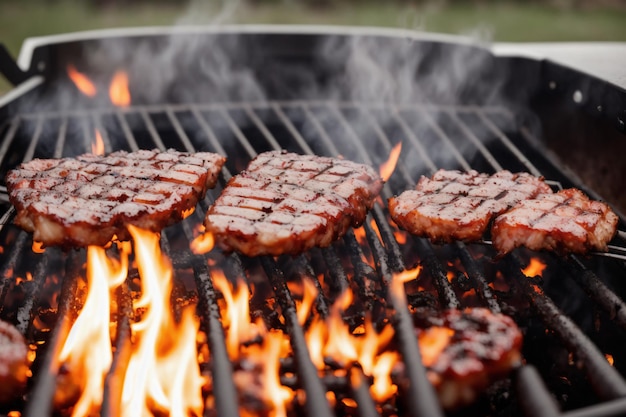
{"points": [[285, 203], [453, 206], [567, 221], [89, 199], [479, 347]]}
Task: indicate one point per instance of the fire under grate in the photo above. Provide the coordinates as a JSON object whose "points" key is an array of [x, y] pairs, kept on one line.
{"points": [[572, 317]]}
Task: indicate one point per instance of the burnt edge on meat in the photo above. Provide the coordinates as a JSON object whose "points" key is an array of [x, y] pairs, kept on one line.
{"points": [[469, 350], [564, 222], [286, 203], [90, 199], [452, 205]]}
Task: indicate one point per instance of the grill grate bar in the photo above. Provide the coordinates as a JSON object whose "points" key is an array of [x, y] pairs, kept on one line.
{"points": [[535, 398], [9, 137], [30, 152], [361, 393], [128, 133], [316, 403], [597, 290], [39, 401], [114, 380], [478, 277], [10, 265], [224, 392], [25, 310], [605, 380], [421, 397], [61, 136]]}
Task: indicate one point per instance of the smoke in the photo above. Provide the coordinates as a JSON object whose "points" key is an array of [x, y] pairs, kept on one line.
{"points": [[194, 65]]}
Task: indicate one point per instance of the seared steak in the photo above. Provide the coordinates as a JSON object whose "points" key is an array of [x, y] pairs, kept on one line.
{"points": [[565, 222], [464, 351], [89, 199], [452, 205], [285, 203]]}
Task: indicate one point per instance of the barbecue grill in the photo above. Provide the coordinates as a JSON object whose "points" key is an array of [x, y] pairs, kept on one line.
{"points": [[241, 91]]}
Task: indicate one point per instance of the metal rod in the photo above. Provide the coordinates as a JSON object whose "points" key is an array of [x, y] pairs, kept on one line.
{"points": [[61, 136], [534, 397], [179, 130], [9, 137], [224, 389], [261, 126], [316, 403], [128, 133], [154, 133], [114, 380], [292, 129], [34, 140], [420, 395], [361, 393], [39, 400], [596, 289], [478, 277], [25, 310], [605, 380], [159, 108], [447, 296], [8, 269]]}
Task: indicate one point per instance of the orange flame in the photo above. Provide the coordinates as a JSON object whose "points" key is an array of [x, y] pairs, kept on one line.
{"points": [[81, 81], [387, 168], [277, 394], [202, 244], [609, 358], [236, 317], [150, 378], [383, 388], [432, 342], [87, 349], [310, 294], [534, 268], [97, 147], [118, 90], [37, 247]]}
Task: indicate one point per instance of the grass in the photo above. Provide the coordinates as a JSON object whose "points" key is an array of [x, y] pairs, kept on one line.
{"points": [[503, 21]]}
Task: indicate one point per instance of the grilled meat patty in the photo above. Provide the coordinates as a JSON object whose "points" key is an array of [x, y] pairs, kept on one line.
{"points": [[567, 221], [89, 199], [285, 203], [452, 205], [13, 362], [464, 351]]}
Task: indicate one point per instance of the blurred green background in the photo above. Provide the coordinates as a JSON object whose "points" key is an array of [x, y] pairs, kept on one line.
{"points": [[508, 20]]}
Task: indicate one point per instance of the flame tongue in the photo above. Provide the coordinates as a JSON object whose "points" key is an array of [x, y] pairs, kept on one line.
{"points": [[387, 168], [81, 81], [87, 349], [149, 379], [118, 90]]}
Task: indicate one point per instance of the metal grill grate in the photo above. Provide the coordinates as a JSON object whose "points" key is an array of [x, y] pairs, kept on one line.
{"points": [[433, 137]]}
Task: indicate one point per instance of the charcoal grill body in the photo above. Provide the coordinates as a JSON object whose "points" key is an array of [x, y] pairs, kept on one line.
{"points": [[244, 90]]}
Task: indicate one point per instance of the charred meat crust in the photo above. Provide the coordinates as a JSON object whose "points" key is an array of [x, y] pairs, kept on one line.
{"points": [[452, 205], [286, 203], [465, 351], [565, 222], [89, 199]]}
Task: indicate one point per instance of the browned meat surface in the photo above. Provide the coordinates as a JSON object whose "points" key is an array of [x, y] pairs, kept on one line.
{"points": [[13, 362], [285, 203], [89, 199], [465, 351], [452, 205], [566, 221]]}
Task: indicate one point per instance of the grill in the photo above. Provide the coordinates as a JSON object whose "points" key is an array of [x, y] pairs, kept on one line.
{"points": [[572, 317]]}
